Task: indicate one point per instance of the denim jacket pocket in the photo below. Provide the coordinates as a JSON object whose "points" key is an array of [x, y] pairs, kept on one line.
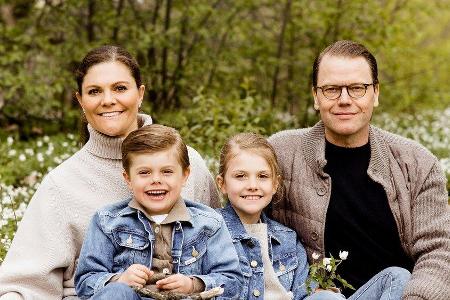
{"points": [[132, 247], [192, 254], [284, 267]]}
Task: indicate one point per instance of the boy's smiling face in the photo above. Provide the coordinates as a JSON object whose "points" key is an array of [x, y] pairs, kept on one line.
{"points": [[156, 180]]}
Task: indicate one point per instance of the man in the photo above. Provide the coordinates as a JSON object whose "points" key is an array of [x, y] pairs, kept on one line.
{"points": [[354, 187]]}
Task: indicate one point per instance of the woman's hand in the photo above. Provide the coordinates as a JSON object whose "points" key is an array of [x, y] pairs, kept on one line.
{"points": [[136, 275], [176, 283]]}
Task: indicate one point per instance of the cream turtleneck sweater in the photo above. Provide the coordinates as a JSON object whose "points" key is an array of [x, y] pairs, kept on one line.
{"points": [[42, 259]]}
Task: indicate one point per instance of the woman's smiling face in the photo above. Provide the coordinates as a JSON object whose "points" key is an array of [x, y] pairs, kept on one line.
{"points": [[110, 98]]}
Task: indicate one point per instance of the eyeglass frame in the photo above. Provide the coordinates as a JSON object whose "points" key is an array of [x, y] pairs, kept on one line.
{"points": [[366, 85]]}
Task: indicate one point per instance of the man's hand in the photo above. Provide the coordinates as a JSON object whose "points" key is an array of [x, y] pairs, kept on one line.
{"points": [[176, 283], [136, 275]]}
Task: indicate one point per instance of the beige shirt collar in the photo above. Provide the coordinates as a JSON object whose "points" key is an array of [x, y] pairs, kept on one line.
{"points": [[179, 211]]}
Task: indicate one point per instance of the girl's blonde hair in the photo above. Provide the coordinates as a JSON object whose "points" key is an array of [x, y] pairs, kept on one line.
{"points": [[257, 144]]}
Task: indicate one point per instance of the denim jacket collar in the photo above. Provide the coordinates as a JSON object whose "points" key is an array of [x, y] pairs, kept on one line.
{"points": [[178, 213], [238, 231]]}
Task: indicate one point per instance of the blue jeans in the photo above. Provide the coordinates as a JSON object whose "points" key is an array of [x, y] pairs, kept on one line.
{"points": [[117, 290], [386, 285]]}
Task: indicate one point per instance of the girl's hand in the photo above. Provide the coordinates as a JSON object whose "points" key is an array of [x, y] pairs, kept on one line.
{"points": [[176, 283], [136, 275]]}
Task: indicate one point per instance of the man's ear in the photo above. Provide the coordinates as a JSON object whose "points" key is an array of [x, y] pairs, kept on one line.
{"points": [[316, 101], [376, 93], [221, 184]]}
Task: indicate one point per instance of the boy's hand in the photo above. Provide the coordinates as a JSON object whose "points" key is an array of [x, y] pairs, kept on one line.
{"points": [[136, 275], [176, 283]]}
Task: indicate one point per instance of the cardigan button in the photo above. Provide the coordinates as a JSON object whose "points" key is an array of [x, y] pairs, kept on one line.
{"points": [[321, 191], [314, 236]]}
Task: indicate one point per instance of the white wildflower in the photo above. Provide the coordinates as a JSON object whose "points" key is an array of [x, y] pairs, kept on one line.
{"points": [[326, 261], [343, 255], [40, 157], [315, 255], [22, 157], [70, 136], [46, 138], [12, 152], [329, 268], [39, 143], [10, 140], [65, 144], [29, 151]]}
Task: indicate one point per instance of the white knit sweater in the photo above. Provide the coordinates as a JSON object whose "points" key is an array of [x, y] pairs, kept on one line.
{"points": [[42, 259]]}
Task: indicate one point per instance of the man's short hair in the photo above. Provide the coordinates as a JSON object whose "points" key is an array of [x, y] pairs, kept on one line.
{"points": [[348, 49]]}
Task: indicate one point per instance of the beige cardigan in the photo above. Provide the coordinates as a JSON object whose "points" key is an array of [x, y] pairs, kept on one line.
{"points": [[42, 259], [415, 187]]}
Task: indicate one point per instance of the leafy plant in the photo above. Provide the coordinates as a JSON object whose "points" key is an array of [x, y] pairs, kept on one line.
{"points": [[323, 273]]}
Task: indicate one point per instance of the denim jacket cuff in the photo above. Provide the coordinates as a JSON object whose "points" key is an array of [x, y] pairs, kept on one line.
{"points": [[208, 281], [103, 280]]}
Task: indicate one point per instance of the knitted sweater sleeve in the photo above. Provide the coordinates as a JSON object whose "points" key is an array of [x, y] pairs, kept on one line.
{"points": [[201, 185], [431, 240], [34, 265]]}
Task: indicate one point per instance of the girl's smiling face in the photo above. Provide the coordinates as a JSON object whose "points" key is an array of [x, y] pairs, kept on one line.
{"points": [[249, 184]]}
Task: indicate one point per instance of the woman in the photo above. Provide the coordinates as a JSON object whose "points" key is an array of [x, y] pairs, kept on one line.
{"points": [[42, 259]]}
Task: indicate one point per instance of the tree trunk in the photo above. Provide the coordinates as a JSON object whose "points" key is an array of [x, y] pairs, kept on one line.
{"points": [[285, 20]]}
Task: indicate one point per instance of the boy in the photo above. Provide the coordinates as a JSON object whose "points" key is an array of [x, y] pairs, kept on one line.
{"points": [[156, 231]]}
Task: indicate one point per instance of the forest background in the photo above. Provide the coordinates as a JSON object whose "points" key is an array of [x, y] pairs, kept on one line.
{"points": [[211, 68]]}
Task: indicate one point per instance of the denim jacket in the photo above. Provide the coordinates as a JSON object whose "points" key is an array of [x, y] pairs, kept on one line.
{"points": [[285, 251], [120, 236]]}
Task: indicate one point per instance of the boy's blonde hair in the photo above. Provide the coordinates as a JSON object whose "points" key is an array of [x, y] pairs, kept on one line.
{"points": [[257, 144], [151, 139]]}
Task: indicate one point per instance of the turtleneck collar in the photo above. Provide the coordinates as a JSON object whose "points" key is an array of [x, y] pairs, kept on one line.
{"points": [[109, 147]]}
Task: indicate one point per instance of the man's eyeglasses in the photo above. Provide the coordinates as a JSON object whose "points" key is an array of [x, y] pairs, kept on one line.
{"points": [[356, 90]]}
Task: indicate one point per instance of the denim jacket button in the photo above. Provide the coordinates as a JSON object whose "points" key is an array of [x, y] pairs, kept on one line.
{"points": [[194, 252], [256, 293], [254, 263], [157, 229], [129, 241]]}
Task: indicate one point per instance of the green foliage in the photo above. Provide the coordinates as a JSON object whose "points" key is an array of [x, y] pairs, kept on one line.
{"points": [[185, 45], [210, 120], [322, 273]]}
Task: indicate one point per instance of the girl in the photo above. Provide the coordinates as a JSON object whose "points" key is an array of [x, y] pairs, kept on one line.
{"points": [[42, 259], [272, 259]]}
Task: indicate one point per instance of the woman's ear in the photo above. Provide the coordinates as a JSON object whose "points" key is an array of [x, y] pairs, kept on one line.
{"points": [[78, 96], [141, 94]]}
